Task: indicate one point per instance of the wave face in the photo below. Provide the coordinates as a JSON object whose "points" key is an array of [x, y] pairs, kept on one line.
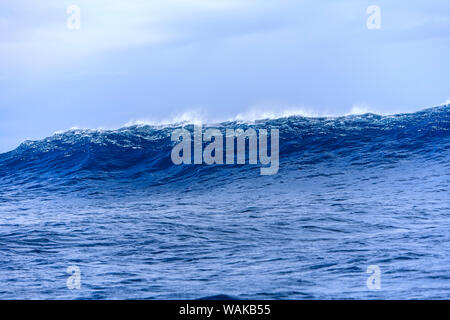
{"points": [[351, 192]]}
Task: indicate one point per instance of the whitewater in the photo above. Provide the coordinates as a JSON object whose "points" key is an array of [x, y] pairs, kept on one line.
{"points": [[351, 192]]}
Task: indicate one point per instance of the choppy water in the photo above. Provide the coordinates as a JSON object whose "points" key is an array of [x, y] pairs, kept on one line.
{"points": [[351, 192]]}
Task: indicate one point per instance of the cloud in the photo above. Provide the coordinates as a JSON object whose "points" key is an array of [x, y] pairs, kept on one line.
{"points": [[33, 34], [37, 36]]}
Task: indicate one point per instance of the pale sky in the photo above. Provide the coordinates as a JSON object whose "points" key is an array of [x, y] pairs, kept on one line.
{"points": [[167, 60]]}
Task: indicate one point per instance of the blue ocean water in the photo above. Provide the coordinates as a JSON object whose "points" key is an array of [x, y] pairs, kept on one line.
{"points": [[351, 192]]}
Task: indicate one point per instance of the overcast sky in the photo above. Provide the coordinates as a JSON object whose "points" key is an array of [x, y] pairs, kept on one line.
{"points": [[168, 59]]}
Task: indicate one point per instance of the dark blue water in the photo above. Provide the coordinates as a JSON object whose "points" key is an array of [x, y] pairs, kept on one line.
{"points": [[351, 192]]}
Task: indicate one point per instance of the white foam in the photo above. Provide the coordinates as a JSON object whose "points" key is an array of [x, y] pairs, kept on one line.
{"points": [[263, 114], [193, 116]]}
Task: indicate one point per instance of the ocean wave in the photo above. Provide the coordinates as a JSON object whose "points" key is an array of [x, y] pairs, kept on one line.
{"points": [[142, 151]]}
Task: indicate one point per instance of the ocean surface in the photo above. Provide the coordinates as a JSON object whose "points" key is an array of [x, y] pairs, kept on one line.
{"points": [[351, 192]]}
